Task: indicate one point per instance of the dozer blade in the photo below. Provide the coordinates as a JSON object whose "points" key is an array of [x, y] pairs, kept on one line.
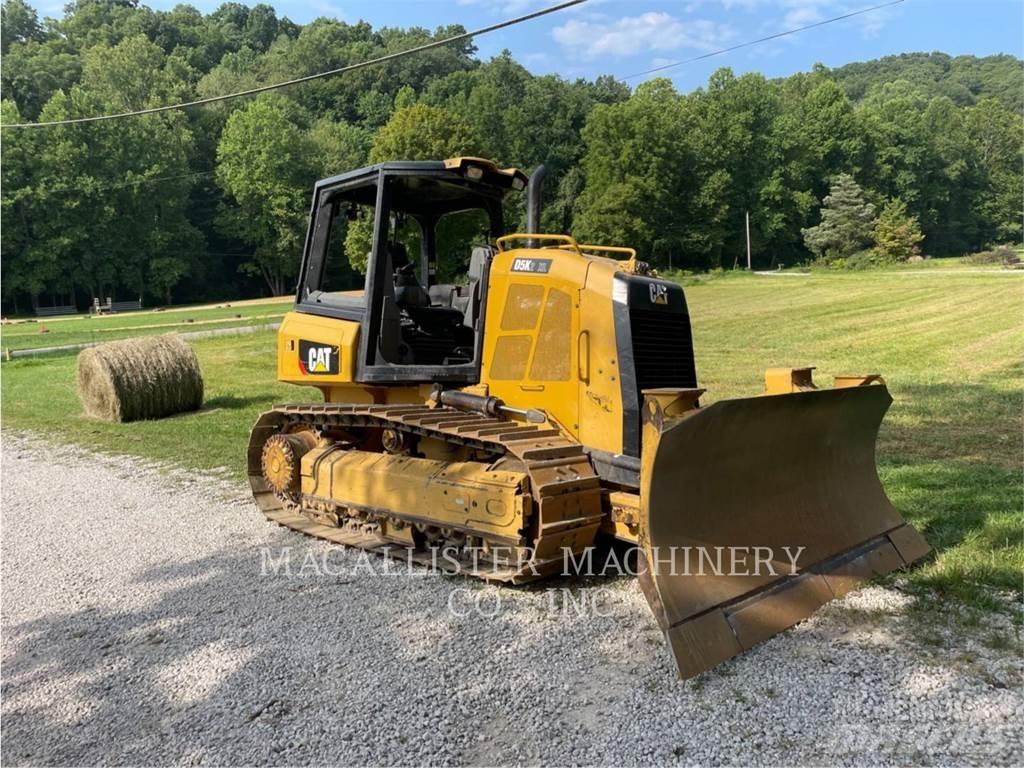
{"points": [[756, 511]]}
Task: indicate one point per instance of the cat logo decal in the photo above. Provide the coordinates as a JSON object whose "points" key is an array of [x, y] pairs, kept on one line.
{"points": [[317, 359], [659, 293]]}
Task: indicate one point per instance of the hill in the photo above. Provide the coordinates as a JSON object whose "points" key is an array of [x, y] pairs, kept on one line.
{"points": [[964, 79]]}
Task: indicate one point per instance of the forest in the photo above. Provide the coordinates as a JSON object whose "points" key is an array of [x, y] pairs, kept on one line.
{"points": [[211, 202]]}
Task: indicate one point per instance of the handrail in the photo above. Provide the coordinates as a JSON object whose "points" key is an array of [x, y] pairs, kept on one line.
{"points": [[566, 239], [631, 252]]}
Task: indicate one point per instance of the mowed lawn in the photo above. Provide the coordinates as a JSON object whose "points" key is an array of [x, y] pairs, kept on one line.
{"points": [[83, 329], [951, 349], [949, 345]]}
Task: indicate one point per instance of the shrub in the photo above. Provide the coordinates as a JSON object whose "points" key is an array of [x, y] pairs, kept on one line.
{"points": [[1001, 254], [897, 234], [862, 260]]}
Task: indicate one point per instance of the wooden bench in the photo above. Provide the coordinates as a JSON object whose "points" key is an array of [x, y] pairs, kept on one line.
{"points": [[68, 309]]}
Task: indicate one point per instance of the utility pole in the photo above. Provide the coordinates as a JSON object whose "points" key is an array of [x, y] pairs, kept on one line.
{"points": [[748, 239]]}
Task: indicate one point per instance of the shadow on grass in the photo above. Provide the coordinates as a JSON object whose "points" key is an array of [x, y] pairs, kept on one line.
{"points": [[960, 422], [231, 402], [971, 515], [950, 460]]}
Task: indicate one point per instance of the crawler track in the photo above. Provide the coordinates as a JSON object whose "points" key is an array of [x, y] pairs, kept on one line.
{"points": [[565, 490]]}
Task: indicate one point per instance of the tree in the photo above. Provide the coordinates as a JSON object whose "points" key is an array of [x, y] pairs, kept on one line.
{"points": [[641, 173], [146, 204], [897, 235], [952, 182], [422, 132], [962, 78], [418, 132], [338, 147], [34, 71], [87, 201], [264, 166], [738, 123], [18, 23], [998, 138], [847, 221], [261, 27], [28, 265], [525, 121]]}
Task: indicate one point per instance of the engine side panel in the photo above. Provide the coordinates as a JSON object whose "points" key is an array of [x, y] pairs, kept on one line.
{"points": [[316, 350], [530, 352]]}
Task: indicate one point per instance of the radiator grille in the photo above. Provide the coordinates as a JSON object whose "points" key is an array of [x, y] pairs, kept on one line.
{"points": [[662, 349]]}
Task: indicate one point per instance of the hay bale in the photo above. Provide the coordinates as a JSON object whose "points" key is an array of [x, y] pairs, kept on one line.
{"points": [[144, 378]]}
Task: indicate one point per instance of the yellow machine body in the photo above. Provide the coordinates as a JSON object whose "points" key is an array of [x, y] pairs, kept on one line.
{"points": [[464, 496], [340, 387], [568, 441], [549, 344]]}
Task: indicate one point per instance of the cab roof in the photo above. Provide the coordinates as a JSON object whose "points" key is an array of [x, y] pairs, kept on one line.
{"points": [[427, 187]]}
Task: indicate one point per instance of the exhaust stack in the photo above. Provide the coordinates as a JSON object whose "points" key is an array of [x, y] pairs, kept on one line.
{"points": [[534, 190]]}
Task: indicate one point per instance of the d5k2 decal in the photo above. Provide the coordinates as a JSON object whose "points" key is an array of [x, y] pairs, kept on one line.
{"points": [[318, 359], [539, 266]]}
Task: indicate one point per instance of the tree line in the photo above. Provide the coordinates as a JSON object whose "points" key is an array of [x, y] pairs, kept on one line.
{"points": [[211, 202]]}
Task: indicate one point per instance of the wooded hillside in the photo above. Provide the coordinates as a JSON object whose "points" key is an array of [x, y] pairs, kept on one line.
{"points": [[211, 202]]}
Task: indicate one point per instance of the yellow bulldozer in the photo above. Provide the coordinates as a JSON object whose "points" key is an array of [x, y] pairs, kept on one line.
{"points": [[551, 401]]}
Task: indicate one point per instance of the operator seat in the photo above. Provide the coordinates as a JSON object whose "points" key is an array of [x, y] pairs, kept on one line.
{"points": [[408, 291], [469, 304]]}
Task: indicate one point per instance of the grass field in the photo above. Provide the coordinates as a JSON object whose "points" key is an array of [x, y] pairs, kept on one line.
{"points": [[89, 330], [949, 345]]}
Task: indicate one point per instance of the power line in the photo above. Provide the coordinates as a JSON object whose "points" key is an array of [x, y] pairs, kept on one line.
{"points": [[761, 40], [350, 68]]}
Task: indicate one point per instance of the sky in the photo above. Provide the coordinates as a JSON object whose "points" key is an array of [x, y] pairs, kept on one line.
{"points": [[623, 37]]}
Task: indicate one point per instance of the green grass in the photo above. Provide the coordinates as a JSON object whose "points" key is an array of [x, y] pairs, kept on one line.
{"points": [[946, 262], [88, 330], [39, 395], [949, 346]]}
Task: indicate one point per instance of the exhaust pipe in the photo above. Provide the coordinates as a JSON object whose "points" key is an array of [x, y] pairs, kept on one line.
{"points": [[533, 194]]}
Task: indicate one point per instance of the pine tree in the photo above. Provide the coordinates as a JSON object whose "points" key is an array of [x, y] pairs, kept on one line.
{"points": [[897, 234], [847, 221]]}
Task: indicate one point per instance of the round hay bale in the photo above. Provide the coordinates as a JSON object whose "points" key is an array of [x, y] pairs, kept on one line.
{"points": [[144, 378]]}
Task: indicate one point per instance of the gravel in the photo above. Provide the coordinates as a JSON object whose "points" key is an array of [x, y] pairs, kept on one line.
{"points": [[144, 623]]}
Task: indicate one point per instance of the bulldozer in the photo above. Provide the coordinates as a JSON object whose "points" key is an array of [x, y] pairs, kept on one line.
{"points": [[550, 402]]}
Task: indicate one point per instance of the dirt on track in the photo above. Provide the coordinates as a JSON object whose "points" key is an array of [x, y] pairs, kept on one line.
{"points": [[150, 616]]}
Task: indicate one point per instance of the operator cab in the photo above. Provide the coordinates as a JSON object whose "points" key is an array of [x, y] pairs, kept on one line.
{"points": [[407, 215]]}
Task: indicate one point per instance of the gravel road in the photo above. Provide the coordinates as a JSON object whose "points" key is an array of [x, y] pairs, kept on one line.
{"points": [[149, 617]]}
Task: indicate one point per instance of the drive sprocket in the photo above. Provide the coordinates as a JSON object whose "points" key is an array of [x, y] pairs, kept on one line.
{"points": [[281, 462]]}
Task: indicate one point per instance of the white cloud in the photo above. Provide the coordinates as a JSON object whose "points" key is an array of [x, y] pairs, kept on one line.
{"points": [[800, 13], [631, 35], [802, 16], [791, 14], [536, 58], [328, 9], [871, 24], [513, 7]]}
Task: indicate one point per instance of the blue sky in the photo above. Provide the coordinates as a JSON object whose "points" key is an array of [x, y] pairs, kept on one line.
{"points": [[621, 38]]}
